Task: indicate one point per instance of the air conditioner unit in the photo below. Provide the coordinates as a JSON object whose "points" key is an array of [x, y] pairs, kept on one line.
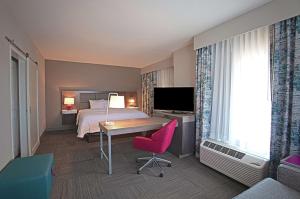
{"points": [[243, 167]]}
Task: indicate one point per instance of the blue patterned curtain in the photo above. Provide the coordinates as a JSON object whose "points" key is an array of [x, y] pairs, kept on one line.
{"points": [[149, 81], [285, 73], [203, 87]]}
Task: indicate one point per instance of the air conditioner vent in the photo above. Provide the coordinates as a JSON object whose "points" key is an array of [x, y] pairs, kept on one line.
{"points": [[225, 150], [212, 145], [243, 167], [218, 147], [206, 143], [232, 152], [240, 155]]}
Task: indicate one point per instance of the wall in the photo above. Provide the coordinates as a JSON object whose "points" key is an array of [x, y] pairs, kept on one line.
{"points": [[184, 66], [9, 27], [165, 63], [183, 61], [267, 14], [85, 76], [184, 58]]}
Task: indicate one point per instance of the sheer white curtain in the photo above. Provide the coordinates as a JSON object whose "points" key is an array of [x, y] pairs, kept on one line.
{"points": [[250, 113], [221, 91], [165, 77], [241, 110]]}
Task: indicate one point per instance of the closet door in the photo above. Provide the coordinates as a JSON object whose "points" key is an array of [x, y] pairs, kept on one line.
{"points": [[23, 106], [14, 82], [32, 97]]}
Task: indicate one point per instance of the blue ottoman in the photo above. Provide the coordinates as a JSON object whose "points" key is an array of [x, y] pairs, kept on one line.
{"points": [[29, 177]]}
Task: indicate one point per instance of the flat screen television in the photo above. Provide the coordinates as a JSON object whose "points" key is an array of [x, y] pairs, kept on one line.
{"points": [[174, 99]]}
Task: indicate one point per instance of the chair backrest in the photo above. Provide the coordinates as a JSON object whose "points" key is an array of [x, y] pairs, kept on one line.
{"points": [[164, 135]]}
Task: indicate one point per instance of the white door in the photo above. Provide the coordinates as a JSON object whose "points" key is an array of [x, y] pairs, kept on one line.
{"points": [[33, 106], [19, 103], [15, 107]]}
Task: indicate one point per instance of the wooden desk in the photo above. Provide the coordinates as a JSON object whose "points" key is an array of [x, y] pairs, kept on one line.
{"points": [[126, 127]]}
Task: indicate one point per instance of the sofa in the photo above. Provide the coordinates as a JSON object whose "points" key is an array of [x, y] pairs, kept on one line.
{"points": [[287, 186]]}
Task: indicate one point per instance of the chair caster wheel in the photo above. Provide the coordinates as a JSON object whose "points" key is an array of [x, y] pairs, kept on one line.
{"points": [[161, 175], [169, 165], [138, 172]]}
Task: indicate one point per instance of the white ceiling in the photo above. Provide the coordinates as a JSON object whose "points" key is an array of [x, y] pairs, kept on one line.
{"points": [[131, 33]]}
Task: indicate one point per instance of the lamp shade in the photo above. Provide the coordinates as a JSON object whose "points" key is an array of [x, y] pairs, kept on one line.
{"points": [[131, 100], [116, 102], [68, 100]]}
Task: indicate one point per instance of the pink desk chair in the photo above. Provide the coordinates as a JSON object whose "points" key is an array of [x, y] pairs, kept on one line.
{"points": [[158, 143]]}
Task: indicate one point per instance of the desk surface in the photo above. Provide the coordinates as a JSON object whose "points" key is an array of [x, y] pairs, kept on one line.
{"points": [[125, 127], [133, 125]]}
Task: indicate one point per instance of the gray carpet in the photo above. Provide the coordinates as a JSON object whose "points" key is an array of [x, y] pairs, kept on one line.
{"points": [[81, 174]]}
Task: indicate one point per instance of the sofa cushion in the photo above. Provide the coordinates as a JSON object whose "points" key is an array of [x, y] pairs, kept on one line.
{"points": [[269, 189]]}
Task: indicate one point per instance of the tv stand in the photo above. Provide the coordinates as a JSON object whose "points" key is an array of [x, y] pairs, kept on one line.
{"points": [[180, 112], [183, 142]]}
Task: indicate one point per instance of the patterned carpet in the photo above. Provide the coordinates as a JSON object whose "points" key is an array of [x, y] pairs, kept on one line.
{"points": [[81, 174]]}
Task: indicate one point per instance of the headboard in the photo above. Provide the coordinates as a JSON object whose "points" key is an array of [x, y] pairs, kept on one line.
{"points": [[85, 97], [82, 97]]}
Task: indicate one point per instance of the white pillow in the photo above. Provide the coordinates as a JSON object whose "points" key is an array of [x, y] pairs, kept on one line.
{"points": [[98, 104]]}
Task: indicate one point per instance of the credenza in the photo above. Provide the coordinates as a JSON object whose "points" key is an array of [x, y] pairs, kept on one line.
{"points": [[183, 142]]}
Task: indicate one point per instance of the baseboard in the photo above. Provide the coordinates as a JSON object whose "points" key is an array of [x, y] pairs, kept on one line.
{"points": [[61, 129]]}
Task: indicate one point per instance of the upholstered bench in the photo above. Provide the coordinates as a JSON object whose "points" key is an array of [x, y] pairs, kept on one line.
{"points": [[29, 177]]}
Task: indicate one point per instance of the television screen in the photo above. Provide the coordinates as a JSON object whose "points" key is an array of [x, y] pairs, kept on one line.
{"points": [[174, 98]]}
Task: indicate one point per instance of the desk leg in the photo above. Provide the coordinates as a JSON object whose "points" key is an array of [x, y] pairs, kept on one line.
{"points": [[101, 144], [109, 155]]}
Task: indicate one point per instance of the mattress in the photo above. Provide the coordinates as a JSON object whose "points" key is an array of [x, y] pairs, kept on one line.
{"points": [[88, 119]]}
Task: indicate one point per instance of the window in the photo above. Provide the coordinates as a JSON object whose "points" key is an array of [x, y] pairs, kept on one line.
{"points": [[241, 114]]}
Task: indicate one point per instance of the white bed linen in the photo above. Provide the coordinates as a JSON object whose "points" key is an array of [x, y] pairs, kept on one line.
{"points": [[88, 119]]}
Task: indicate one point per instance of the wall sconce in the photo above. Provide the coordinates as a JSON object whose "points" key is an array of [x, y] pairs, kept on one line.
{"points": [[69, 102]]}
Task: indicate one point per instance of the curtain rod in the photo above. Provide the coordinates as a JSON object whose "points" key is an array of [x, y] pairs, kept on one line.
{"points": [[11, 41]]}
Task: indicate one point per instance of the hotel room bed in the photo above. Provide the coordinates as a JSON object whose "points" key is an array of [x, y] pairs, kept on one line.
{"points": [[88, 119]]}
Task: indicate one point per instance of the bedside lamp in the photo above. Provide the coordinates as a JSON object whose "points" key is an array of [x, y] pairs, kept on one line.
{"points": [[114, 101], [131, 102], [69, 102]]}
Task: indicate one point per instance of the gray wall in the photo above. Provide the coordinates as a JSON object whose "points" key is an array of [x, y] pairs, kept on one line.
{"points": [[165, 63], [9, 27], [183, 61], [267, 14], [184, 66], [61, 74]]}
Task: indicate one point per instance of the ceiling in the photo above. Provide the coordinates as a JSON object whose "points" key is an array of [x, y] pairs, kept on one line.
{"points": [[132, 33]]}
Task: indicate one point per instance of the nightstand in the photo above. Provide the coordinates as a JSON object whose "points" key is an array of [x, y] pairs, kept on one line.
{"points": [[69, 117], [71, 111], [133, 107]]}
